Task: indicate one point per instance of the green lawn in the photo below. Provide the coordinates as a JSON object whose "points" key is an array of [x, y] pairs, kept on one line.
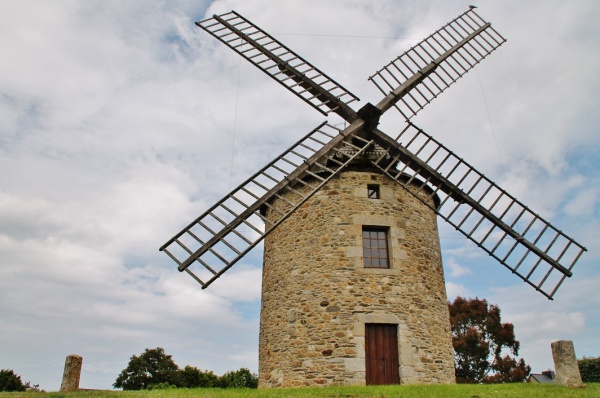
{"points": [[435, 391]]}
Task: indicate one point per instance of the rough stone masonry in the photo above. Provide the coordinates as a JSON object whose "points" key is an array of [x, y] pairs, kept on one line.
{"points": [[565, 364], [72, 373], [317, 296]]}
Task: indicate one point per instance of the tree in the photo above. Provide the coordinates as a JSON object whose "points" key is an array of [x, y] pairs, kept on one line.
{"points": [[154, 369], [192, 377], [479, 339], [241, 378], [150, 368], [10, 381], [509, 370]]}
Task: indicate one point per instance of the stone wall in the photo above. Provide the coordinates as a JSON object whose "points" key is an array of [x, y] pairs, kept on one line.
{"points": [[317, 296]]}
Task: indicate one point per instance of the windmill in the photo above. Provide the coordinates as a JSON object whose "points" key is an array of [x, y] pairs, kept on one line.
{"points": [[353, 288]]}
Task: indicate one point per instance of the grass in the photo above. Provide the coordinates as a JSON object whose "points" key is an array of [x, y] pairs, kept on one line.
{"points": [[433, 391]]}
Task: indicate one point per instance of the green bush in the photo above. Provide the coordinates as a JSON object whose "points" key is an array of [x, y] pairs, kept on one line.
{"points": [[10, 381], [161, 386], [192, 377], [241, 378], [589, 367]]}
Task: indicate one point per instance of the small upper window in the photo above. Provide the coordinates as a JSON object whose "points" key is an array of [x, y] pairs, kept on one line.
{"points": [[375, 247], [373, 191]]}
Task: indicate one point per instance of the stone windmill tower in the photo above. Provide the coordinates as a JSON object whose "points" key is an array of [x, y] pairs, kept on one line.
{"points": [[353, 285]]}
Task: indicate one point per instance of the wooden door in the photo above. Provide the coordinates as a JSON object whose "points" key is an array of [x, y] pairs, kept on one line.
{"points": [[381, 351]]}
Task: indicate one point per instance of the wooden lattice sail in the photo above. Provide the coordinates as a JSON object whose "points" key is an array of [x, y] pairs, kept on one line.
{"points": [[529, 246]]}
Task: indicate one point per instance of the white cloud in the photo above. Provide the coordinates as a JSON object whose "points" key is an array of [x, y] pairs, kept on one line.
{"points": [[585, 204], [572, 315], [454, 290], [456, 269], [535, 324]]}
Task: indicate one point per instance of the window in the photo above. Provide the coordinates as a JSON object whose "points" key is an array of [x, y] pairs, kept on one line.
{"points": [[373, 191], [375, 247]]}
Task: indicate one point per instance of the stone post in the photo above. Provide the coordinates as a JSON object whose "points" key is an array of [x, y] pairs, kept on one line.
{"points": [[72, 373], [565, 364]]}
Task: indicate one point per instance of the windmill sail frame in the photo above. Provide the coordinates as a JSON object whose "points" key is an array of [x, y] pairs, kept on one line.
{"points": [[434, 64], [213, 238], [481, 210], [280, 63], [498, 223]]}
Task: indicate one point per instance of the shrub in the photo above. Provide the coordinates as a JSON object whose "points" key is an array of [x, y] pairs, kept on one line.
{"points": [[192, 377], [161, 386], [10, 381], [238, 379], [589, 368]]}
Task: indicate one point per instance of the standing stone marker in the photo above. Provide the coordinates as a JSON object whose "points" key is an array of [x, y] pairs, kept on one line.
{"points": [[72, 373], [565, 364]]}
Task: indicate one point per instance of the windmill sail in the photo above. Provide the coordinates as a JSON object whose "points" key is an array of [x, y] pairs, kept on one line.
{"points": [[498, 223], [233, 226], [506, 229], [414, 79], [282, 64]]}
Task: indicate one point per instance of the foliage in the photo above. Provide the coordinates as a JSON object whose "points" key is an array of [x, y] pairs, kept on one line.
{"points": [[10, 381], [161, 386], [509, 370], [242, 378], [155, 370], [589, 368], [479, 338], [192, 377], [150, 368]]}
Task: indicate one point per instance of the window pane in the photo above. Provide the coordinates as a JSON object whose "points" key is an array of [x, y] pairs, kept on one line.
{"points": [[373, 191], [375, 249]]}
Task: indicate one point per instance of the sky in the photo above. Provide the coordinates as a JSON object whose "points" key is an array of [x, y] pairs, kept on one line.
{"points": [[120, 122]]}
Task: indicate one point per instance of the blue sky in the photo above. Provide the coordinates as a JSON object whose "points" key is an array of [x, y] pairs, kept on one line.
{"points": [[121, 121]]}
